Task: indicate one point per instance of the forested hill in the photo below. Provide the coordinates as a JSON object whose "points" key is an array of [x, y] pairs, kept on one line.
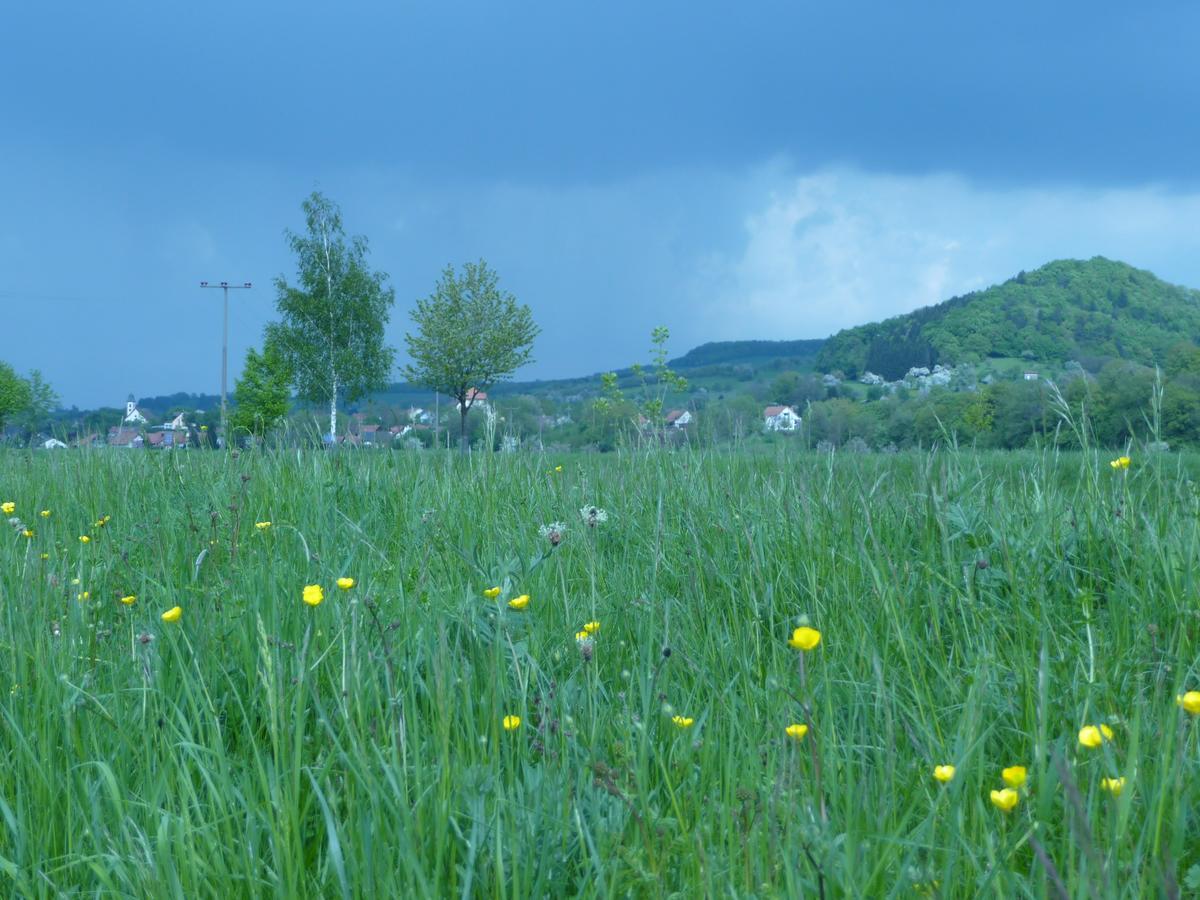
{"points": [[1067, 309]]}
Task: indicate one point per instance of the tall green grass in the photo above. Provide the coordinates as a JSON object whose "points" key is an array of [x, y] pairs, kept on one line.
{"points": [[974, 610]]}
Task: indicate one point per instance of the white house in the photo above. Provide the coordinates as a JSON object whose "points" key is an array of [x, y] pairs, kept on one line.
{"points": [[780, 418], [679, 418], [53, 444], [475, 400], [1031, 376]]}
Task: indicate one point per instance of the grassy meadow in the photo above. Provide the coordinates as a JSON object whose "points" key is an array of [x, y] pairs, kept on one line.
{"points": [[974, 610]]}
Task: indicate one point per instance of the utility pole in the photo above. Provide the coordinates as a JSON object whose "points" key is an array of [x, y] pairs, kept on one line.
{"points": [[225, 286]]}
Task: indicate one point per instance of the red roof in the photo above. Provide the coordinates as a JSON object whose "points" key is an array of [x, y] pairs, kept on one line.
{"points": [[474, 396], [674, 414], [776, 410]]}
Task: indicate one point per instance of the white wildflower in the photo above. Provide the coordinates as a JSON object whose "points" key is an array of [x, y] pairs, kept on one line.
{"points": [[593, 516], [553, 532]]}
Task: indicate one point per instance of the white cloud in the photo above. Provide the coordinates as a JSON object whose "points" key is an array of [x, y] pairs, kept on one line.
{"points": [[840, 247]]}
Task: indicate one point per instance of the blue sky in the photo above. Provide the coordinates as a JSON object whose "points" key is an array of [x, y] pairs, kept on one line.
{"points": [[760, 170]]}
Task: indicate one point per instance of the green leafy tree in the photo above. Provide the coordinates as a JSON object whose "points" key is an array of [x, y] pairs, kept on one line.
{"points": [[331, 336], [261, 393], [14, 393], [470, 335], [41, 403]]}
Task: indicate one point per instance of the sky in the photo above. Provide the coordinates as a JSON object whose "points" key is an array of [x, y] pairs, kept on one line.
{"points": [[762, 170]]}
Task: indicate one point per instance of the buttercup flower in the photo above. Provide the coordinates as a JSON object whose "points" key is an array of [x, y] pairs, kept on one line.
{"points": [[313, 594], [262, 526], [28, 533], [683, 721], [1092, 736], [796, 732], [174, 614], [85, 596], [1189, 702], [84, 539], [1121, 462], [519, 602], [45, 514], [345, 583], [511, 723], [492, 593], [8, 507], [1004, 800], [944, 774], [582, 636], [130, 600], [558, 468], [1113, 785], [591, 627], [804, 638], [45, 556], [1014, 776]]}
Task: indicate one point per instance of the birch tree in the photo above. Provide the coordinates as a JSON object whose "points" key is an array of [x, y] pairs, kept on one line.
{"points": [[331, 333]]}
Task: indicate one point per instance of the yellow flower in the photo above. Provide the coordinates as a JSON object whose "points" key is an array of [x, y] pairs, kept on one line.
{"points": [[262, 526], [83, 539], [591, 627], [511, 723], [86, 595], [582, 636], [804, 638], [1091, 736], [1014, 776], [796, 732], [558, 468], [313, 594], [45, 556], [28, 532], [130, 600], [345, 583], [492, 593], [173, 614], [944, 773], [683, 721], [1121, 462], [519, 602], [45, 514], [1113, 785], [8, 507], [1189, 702], [1004, 800]]}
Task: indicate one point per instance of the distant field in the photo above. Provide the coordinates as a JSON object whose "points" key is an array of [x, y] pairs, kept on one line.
{"points": [[974, 610]]}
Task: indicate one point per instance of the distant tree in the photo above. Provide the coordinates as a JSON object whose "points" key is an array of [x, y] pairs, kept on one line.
{"points": [[331, 336], [14, 393], [261, 393], [42, 401], [470, 335]]}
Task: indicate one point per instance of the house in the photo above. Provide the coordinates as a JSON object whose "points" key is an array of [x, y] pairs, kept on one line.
{"points": [[124, 437], [475, 399], [416, 414], [1031, 376], [370, 434], [133, 416], [53, 444], [679, 418], [780, 418]]}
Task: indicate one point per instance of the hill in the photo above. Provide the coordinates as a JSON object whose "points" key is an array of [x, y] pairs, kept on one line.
{"points": [[1086, 310], [708, 365]]}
